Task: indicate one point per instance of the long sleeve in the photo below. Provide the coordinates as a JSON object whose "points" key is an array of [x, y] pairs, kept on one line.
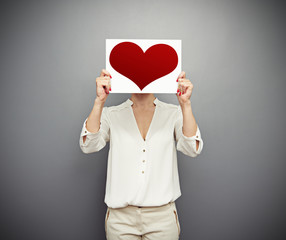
{"points": [[186, 145], [96, 141]]}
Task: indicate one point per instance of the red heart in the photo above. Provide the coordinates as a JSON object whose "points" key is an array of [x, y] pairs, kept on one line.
{"points": [[142, 68]]}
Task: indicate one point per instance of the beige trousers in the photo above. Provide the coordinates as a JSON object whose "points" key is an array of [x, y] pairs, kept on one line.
{"points": [[147, 223]]}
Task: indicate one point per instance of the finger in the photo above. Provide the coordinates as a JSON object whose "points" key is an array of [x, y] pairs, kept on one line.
{"points": [[103, 81], [180, 82], [183, 88], [185, 85], [180, 87], [106, 84], [106, 78], [184, 80], [182, 75], [105, 87], [104, 72], [109, 85]]}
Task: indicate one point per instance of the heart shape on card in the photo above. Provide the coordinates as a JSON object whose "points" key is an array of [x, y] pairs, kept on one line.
{"points": [[141, 67]]}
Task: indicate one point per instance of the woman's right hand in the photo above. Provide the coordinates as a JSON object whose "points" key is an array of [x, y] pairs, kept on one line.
{"points": [[103, 85]]}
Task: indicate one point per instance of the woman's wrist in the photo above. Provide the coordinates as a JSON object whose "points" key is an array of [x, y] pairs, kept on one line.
{"points": [[186, 104], [98, 103]]}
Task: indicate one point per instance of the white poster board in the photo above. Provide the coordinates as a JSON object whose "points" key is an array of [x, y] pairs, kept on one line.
{"points": [[143, 65]]}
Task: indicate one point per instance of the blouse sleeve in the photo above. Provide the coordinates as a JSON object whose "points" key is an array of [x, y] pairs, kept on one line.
{"points": [[186, 145], [96, 141]]}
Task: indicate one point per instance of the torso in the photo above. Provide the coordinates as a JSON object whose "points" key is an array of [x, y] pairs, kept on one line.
{"points": [[144, 119]]}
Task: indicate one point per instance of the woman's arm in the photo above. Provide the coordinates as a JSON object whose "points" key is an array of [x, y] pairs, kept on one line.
{"points": [[186, 129], [189, 144], [95, 129], [189, 122], [94, 141], [93, 120]]}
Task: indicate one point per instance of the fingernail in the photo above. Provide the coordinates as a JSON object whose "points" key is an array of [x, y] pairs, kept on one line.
{"points": [[178, 90], [180, 94], [177, 80], [109, 89], [110, 76]]}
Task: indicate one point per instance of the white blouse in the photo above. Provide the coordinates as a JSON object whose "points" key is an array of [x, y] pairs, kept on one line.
{"points": [[141, 172]]}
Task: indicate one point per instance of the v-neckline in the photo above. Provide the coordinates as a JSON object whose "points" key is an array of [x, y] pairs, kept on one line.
{"points": [[134, 119]]}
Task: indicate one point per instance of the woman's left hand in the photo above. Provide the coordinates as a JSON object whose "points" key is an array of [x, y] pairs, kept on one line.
{"points": [[185, 88]]}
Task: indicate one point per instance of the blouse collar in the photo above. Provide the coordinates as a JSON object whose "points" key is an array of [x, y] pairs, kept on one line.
{"points": [[129, 101]]}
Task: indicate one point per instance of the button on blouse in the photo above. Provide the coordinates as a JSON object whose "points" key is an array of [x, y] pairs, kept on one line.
{"points": [[141, 172]]}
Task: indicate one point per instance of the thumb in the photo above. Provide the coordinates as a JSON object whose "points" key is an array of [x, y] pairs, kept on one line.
{"points": [[182, 75]]}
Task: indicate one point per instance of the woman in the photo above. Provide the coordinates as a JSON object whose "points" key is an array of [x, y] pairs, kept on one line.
{"points": [[142, 181]]}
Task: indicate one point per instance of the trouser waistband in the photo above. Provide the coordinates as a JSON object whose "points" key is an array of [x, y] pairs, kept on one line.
{"points": [[169, 203]]}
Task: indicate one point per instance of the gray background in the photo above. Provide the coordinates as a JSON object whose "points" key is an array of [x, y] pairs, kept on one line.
{"points": [[51, 54]]}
